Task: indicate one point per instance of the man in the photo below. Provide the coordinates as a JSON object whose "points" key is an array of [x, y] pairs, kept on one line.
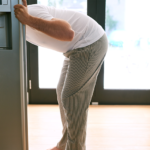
{"points": [[84, 43]]}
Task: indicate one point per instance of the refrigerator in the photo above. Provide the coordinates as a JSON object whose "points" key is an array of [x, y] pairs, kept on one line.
{"points": [[13, 80]]}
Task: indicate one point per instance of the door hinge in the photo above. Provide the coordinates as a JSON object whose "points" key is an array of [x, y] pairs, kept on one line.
{"points": [[94, 103], [30, 85]]}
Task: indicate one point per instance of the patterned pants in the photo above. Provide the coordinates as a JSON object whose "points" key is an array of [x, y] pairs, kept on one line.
{"points": [[75, 89]]}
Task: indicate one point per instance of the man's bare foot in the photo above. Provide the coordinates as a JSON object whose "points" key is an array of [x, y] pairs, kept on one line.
{"points": [[55, 148]]}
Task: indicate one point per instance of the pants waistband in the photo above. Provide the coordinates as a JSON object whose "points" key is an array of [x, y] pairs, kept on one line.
{"points": [[67, 54]]}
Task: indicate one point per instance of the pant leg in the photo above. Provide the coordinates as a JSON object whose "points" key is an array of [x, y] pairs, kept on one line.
{"points": [[83, 68], [62, 143]]}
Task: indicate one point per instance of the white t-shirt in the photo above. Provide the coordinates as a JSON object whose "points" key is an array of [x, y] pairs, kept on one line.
{"points": [[87, 30]]}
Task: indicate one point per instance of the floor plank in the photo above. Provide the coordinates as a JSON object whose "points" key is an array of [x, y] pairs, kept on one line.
{"points": [[110, 127]]}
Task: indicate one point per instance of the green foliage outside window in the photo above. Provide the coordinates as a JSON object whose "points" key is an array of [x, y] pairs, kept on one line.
{"points": [[61, 2], [54, 3], [110, 22]]}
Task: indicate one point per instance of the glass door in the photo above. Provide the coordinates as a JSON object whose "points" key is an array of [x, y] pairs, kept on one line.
{"points": [[125, 76]]}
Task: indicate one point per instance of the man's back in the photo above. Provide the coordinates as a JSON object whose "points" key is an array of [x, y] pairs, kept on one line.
{"points": [[87, 30]]}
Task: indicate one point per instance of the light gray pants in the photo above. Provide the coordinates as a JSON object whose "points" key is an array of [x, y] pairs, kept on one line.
{"points": [[75, 89]]}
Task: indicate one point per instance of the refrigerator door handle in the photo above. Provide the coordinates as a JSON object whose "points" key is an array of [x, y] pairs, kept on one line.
{"points": [[23, 84]]}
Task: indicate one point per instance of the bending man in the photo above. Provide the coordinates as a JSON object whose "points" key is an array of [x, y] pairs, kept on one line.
{"points": [[84, 44]]}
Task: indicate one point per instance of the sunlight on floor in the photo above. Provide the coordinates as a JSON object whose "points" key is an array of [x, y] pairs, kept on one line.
{"points": [[110, 127]]}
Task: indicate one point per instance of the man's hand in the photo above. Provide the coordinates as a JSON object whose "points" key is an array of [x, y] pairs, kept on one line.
{"points": [[21, 12], [55, 28]]}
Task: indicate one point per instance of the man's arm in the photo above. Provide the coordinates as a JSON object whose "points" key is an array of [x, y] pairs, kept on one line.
{"points": [[56, 28]]}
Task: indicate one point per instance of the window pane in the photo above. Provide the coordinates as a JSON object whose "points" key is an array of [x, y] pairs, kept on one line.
{"points": [[77, 5], [127, 64], [50, 62]]}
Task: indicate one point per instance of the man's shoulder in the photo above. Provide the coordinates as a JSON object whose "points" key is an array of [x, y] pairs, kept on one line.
{"points": [[39, 7], [36, 6], [40, 11]]}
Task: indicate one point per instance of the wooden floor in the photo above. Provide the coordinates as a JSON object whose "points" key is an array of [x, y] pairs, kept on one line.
{"points": [[110, 127]]}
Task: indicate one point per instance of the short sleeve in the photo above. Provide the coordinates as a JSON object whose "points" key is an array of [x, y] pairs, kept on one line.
{"points": [[39, 11]]}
